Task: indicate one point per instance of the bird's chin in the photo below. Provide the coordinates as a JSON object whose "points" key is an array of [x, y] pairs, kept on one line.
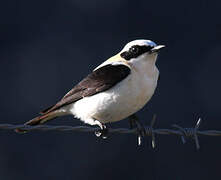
{"points": [[152, 58], [153, 55]]}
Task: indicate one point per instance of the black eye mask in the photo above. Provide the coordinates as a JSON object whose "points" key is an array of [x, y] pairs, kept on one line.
{"points": [[135, 51]]}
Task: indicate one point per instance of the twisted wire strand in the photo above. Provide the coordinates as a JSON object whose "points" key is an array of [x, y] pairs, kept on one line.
{"points": [[184, 133]]}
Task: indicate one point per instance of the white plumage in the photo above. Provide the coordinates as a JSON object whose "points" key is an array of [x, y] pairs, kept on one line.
{"points": [[116, 89], [126, 97]]}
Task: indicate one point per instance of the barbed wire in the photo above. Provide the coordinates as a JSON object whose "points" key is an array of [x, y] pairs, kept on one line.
{"points": [[184, 133]]}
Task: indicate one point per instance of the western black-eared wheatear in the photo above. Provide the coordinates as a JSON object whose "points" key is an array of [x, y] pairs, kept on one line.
{"points": [[113, 91]]}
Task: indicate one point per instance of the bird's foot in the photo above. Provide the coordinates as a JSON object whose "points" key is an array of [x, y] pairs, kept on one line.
{"points": [[102, 132], [134, 122]]}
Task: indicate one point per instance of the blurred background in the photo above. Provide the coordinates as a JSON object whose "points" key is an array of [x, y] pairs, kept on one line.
{"points": [[47, 46]]}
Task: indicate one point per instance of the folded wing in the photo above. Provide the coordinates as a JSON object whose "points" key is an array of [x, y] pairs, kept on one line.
{"points": [[99, 80]]}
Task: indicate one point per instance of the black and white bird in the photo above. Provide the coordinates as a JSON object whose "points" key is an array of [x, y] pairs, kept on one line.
{"points": [[113, 91]]}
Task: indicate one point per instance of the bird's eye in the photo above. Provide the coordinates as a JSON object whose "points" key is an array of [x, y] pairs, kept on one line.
{"points": [[134, 49]]}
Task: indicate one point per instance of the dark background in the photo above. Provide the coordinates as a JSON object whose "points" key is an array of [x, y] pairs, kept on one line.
{"points": [[46, 47]]}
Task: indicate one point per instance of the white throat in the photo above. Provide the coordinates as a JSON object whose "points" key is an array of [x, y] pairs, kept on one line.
{"points": [[145, 64]]}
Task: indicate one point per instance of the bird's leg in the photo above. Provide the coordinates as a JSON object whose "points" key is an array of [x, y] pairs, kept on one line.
{"points": [[103, 132], [134, 121]]}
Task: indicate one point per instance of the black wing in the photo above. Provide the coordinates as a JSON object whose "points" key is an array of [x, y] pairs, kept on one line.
{"points": [[99, 80]]}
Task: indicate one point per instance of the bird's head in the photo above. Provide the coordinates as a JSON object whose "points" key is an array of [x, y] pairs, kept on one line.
{"points": [[137, 52], [141, 50]]}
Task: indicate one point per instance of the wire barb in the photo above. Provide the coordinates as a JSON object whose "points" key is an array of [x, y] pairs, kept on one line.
{"points": [[190, 133], [184, 133], [150, 131]]}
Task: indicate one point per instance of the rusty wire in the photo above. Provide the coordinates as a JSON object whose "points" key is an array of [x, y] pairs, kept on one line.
{"points": [[184, 133]]}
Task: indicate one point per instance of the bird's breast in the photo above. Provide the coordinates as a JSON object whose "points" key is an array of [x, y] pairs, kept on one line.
{"points": [[120, 101], [142, 86]]}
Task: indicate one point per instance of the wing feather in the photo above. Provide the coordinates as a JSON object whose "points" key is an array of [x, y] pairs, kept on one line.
{"points": [[99, 80]]}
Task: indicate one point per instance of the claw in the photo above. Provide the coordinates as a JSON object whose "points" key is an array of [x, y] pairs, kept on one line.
{"points": [[103, 133]]}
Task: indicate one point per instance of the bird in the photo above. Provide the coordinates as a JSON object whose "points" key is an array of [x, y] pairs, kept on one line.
{"points": [[113, 91]]}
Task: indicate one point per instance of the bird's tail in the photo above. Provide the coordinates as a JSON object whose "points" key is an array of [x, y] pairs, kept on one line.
{"points": [[40, 120]]}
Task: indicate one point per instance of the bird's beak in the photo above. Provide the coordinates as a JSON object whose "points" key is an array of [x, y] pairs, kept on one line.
{"points": [[157, 48]]}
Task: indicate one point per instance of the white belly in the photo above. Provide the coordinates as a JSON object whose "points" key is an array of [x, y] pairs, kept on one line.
{"points": [[117, 103]]}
